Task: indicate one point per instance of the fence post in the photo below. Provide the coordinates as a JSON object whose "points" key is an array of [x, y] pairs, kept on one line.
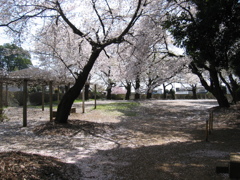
{"points": [[25, 94], [1, 100], [207, 130], [6, 99], [95, 96], [211, 120], [83, 101], [43, 92], [50, 100]]}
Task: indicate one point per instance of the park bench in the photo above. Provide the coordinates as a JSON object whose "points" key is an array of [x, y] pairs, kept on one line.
{"points": [[233, 167]]}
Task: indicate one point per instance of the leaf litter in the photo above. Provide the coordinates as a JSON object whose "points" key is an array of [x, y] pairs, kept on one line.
{"points": [[165, 140]]}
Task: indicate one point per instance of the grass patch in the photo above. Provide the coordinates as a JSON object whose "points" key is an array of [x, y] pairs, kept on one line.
{"points": [[126, 108]]}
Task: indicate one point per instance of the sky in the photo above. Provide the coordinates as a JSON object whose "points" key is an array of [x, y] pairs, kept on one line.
{"points": [[4, 38]]}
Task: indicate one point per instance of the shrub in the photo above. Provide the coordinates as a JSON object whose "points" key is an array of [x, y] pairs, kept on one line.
{"points": [[18, 97], [35, 98], [3, 116], [118, 96]]}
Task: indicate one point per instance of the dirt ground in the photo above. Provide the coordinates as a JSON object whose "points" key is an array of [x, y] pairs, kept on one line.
{"points": [[159, 139]]}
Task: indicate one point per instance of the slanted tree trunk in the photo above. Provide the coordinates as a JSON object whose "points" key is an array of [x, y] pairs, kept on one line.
{"points": [[128, 88], [214, 86], [67, 100]]}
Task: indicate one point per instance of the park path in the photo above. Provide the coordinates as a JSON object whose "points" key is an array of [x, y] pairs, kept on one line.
{"points": [[162, 133]]}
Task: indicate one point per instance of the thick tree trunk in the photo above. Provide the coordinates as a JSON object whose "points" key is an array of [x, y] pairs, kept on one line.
{"points": [[149, 94], [172, 92], [214, 87], [128, 94], [109, 93], [66, 102], [217, 90]]}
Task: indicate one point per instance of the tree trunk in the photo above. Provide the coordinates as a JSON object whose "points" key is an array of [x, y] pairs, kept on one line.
{"points": [[67, 100], [149, 94], [128, 88], [137, 87], [109, 92], [235, 89], [164, 92], [172, 92], [86, 91], [217, 90], [194, 91], [214, 87]]}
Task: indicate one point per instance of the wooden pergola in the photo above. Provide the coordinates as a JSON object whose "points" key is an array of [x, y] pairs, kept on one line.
{"points": [[32, 76]]}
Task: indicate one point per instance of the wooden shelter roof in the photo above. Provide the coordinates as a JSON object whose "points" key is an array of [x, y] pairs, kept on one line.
{"points": [[33, 75]]}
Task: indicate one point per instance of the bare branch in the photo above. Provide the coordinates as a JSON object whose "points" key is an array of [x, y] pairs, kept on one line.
{"points": [[71, 25], [99, 17]]}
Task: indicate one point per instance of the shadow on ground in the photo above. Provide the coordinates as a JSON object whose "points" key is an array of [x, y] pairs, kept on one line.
{"points": [[177, 160]]}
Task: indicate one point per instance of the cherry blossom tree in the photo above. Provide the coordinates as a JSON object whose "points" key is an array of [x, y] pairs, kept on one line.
{"points": [[98, 22], [149, 57]]}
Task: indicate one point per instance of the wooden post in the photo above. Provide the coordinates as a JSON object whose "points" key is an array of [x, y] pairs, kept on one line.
{"points": [[211, 120], [58, 95], [6, 99], [50, 100], [234, 166], [25, 94], [207, 130], [95, 96], [1, 101], [43, 92], [83, 101]]}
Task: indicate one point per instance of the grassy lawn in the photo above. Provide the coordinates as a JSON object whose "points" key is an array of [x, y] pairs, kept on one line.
{"points": [[126, 108]]}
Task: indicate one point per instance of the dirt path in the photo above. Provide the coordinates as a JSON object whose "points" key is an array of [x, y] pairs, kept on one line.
{"points": [[165, 140]]}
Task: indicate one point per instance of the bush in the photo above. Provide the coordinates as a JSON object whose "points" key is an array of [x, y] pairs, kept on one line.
{"points": [[35, 98], [3, 116], [18, 97], [118, 96]]}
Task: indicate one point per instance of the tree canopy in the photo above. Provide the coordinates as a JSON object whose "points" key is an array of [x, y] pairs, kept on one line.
{"points": [[210, 33], [14, 58]]}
